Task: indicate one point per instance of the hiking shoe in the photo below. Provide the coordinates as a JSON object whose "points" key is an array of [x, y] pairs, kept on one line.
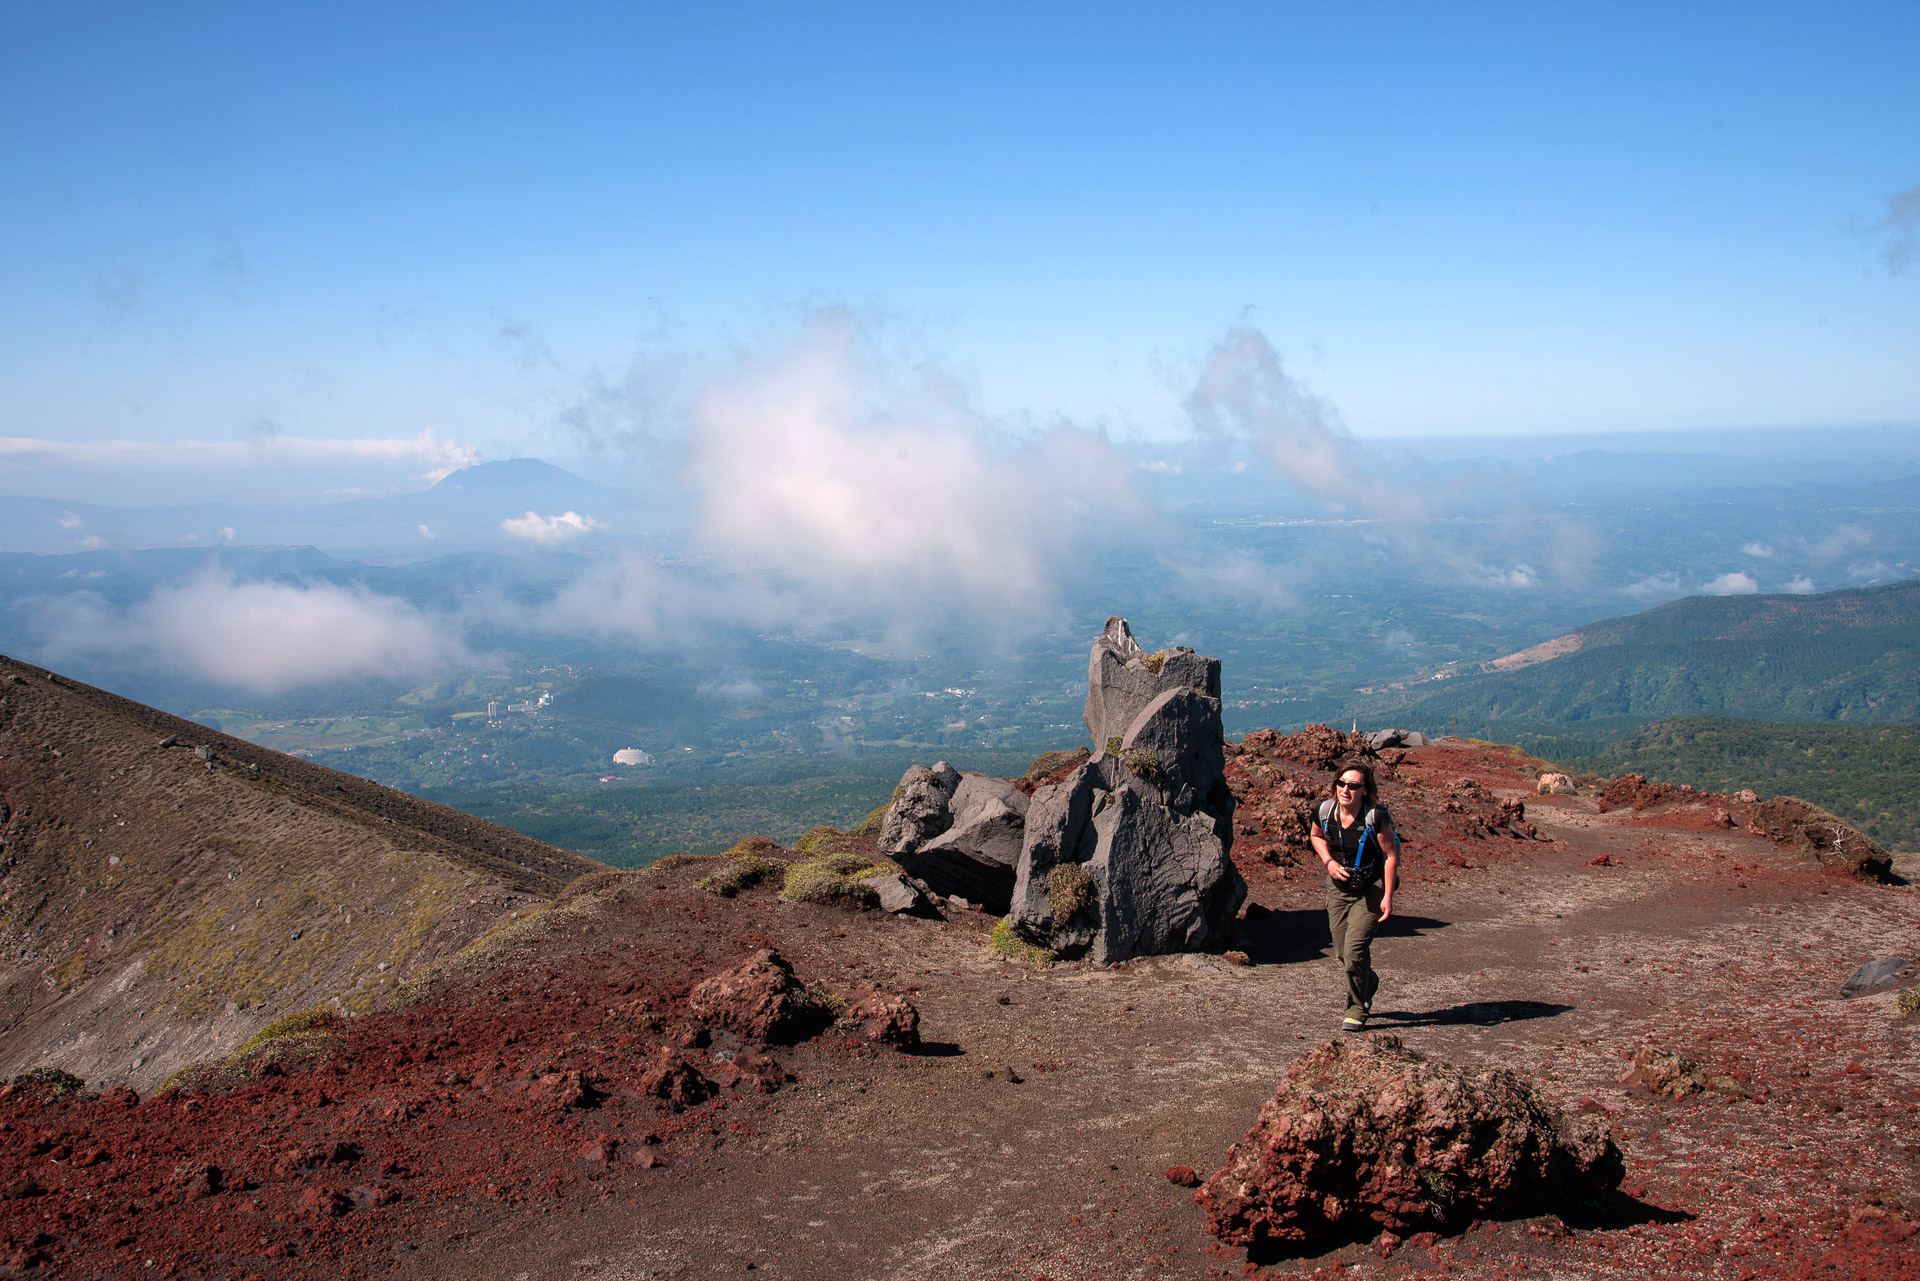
{"points": [[1354, 1023]]}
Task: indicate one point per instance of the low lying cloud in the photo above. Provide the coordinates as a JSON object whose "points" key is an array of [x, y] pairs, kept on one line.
{"points": [[813, 465], [546, 529], [1757, 549], [264, 637], [1245, 395], [437, 457], [1800, 586], [1737, 583]]}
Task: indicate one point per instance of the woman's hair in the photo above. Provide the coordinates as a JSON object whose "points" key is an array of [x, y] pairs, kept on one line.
{"points": [[1366, 772]]}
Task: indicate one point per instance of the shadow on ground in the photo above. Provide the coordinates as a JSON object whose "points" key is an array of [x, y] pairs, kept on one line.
{"points": [[1611, 1212], [1289, 937], [1483, 1013]]}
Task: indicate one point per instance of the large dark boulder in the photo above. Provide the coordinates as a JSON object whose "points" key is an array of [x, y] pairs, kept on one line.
{"points": [[1130, 854], [959, 833]]}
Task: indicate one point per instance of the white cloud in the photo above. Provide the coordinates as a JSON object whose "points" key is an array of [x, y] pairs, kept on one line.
{"points": [[811, 464], [1734, 584], [262, 637], [1655, 587], [437, 457], [424, 531], [546, 529], [1800, 586], [1757, 549], [1245, 394], [69, 521]]}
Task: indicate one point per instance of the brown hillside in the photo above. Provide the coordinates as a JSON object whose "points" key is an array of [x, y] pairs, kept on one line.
{"points": [[160, 905]]}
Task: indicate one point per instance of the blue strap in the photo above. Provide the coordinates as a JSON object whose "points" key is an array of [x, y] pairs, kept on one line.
{"points": [[1326, 830]]}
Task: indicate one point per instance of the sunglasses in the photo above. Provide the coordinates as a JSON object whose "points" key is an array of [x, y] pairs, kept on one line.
{"points": [[1344, 785]]}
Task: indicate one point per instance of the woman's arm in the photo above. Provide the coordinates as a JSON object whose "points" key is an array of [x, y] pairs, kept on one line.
{"points": [[1327, 860], [1391, 842]]}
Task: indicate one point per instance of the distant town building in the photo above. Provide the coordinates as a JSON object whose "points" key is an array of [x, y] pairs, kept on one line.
{"points": [[631, 756], [493, 709]]}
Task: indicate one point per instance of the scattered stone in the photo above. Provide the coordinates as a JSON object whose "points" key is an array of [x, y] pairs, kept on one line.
{"points": [[1236, 958], [1664, 1073], [561, 1091], [169, 740], [1874, 974], [327, 1203], [1555, 785], [1013, 1076], [899, 895], [1182, 1176], [671, 1077], [761, 998], [599, 1150], [1367, 1132], [1812, 831], [200, 1179], [22, 1190], [885, 1020]]}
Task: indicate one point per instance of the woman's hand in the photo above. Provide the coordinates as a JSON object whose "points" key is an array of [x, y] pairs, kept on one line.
{"points": [[1386, 903], [1334, 869]]}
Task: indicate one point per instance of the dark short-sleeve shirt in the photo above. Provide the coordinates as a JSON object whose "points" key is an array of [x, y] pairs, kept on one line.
{"points": [[1344, 842]]}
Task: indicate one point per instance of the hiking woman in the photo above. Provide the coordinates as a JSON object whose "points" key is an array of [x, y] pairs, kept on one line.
{"points": [[1353, 835]]}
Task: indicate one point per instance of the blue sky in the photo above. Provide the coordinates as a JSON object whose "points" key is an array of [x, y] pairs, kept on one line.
{"points": [[331, 222]]}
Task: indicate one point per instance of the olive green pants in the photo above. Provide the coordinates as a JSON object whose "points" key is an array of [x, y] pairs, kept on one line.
{"points": [[1351, 919]]}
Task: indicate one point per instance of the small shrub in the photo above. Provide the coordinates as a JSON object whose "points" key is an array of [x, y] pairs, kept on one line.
{"points": [[49, 1083], [1145, 764], [1155, 661], [1113, 746], [1909, 1002], [817, 838], [1010, 945], [1049, 763], [738, 874], [1069, 890], [305, 1025], [833, 881]]}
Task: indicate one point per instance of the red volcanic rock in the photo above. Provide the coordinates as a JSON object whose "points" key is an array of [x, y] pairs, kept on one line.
{"points": [[199, 1179], [1659, 1072], [886, 1020], [760, 998], [1316, 746], [327, 1203], [1810, 830], [671, 1077], [1366, 1132], [599, 1150], [1635, 792], [560, 1091], [1182, 1176], [749, 1066]]}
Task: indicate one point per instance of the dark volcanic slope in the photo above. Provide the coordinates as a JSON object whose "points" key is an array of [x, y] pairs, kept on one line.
{"points": [[159, 905]]}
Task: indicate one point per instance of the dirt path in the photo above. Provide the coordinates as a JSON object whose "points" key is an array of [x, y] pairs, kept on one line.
{"points": [[921, 1167]]}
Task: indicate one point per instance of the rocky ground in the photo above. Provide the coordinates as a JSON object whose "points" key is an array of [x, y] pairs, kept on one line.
{"points": [[511, 1123]]}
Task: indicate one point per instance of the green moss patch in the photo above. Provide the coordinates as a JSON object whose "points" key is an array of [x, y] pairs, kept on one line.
{"points": [[833, 880], [1010, 945], [1069, 891]]}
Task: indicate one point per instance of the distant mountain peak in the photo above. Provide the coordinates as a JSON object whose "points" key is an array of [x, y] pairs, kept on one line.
{"points": [[509, 474]]}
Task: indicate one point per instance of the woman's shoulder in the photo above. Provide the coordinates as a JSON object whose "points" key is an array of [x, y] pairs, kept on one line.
{"points": [[1382, 816]]}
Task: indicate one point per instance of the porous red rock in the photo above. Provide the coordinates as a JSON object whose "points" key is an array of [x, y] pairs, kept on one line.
{"points": [[1664, 1073], [564, 1090], [1316, 746], [671, 1077], [1366, 1133], [760, 998], [886, 1020], [1810, 830]]}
